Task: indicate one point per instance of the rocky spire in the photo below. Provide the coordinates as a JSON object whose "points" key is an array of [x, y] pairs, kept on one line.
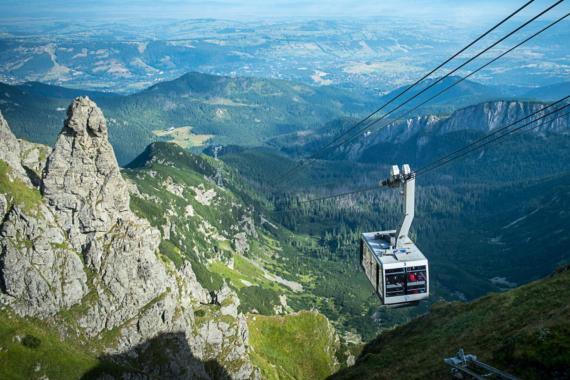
{"points": [[82, 184], [82, 180]]}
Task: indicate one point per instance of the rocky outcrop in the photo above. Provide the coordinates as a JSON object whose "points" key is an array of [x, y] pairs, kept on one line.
{"points": [[83, 245], [10, 150], [3, 206], [41, 274], [492, 115], [484, 117], [33, 158], [82, 181], [397, 132]]}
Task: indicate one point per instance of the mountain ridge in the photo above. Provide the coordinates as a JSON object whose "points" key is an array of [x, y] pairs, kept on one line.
{"points": [[200, 107], [242, 110]]}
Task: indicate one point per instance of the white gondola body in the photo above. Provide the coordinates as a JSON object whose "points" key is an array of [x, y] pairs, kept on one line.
{"points": [[399, 276]]}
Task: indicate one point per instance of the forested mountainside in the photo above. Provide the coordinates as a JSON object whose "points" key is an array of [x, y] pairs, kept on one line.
{"points": [[478, 219], [190, 110], [524, 331]]}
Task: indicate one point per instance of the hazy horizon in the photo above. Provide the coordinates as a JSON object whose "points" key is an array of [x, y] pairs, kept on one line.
{"points": [[467, 11]]}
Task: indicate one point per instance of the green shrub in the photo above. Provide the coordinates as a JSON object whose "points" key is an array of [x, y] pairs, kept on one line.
{"points": [[258, 298], [31, 341]]}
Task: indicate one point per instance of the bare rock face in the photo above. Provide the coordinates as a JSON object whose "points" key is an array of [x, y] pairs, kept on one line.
{"points": [[3, 206], [83, 185], [10, 150], [82, 181], [224, 336], [40, 272], [191, 287], [492, 115], [33, 158]]}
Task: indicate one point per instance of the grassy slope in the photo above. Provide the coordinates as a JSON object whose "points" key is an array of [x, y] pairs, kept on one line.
{"points": [[30, 349], [525, 331], [189, 240], [272, 251], [17, 191], [296, 346]]}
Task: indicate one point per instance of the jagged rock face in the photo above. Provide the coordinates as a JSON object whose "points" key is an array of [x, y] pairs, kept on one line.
{"points": [[82, 181], [192, 288], [219, 338], [493, 115], [484, 117], [129, 275], [396, 132], [83, 185], [39, 271], [10, 150], [3, 206], [33, 158]]}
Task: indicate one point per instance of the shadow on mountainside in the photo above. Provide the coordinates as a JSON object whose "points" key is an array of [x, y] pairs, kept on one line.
{"points": [[167, 356]]}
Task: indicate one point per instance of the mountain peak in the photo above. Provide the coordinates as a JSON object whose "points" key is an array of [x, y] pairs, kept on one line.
{"points": [[84, 117], [82, 178]]}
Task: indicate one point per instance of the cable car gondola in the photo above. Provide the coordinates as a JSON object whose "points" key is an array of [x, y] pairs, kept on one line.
{"points": [[394, 265]]}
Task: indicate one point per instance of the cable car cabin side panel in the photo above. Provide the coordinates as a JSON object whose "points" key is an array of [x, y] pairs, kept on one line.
{"points": [[371, 268]]}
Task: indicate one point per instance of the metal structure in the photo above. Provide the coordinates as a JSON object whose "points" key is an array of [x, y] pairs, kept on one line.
{"points": [[468, 367], [396, 268]]}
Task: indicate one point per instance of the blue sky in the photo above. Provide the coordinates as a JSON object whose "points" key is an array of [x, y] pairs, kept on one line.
{"points": [[460, 11]]}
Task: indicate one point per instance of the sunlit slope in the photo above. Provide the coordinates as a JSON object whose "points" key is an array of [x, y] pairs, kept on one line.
{"points": [[295, 346], [32, 349]]}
